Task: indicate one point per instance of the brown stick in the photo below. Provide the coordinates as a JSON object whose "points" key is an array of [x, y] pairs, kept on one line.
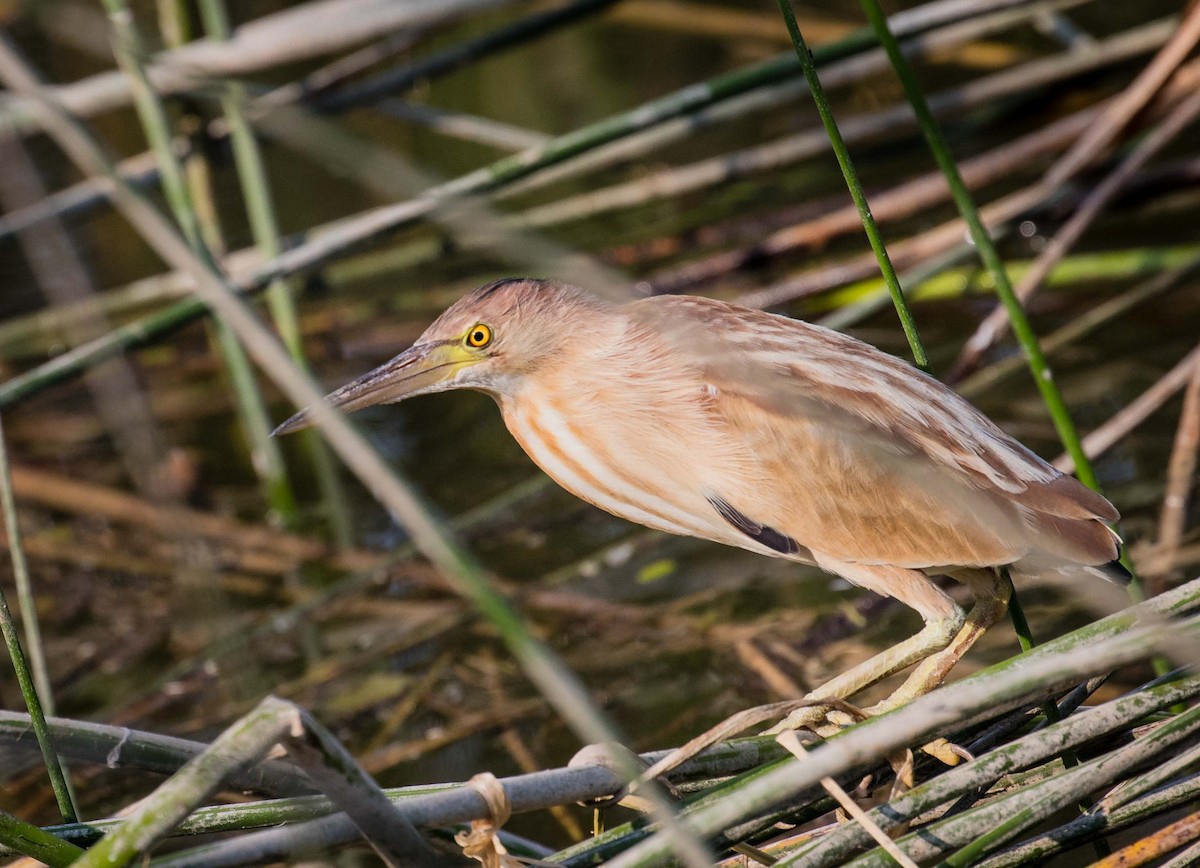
{"points": [[1181, 469], [1154, 846], [1100, 440], [83, 498], [1131, 101], [904, 201], [995, 324]]}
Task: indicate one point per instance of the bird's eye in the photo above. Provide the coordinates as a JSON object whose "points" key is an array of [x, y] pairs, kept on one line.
{"points": [[479, 336]]}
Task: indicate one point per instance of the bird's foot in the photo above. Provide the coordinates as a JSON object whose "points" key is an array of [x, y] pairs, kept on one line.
{"points": [[822, 716], [827, 717]]}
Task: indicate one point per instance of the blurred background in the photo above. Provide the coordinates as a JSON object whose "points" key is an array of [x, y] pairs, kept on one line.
{"points": [[182, 571]]}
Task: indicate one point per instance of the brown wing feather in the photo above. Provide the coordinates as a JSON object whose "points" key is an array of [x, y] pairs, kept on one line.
{"points": [[926, 475]]}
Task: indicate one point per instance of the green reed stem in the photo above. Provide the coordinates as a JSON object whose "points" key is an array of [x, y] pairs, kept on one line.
{"points": [[979, 234], [889, 274], [1040, 368], [1043, 376], [264, 227], [266, 456], [1016, 612], [809, 68], [1024, 635], [1049, 709], [29, 690], [36, 843]]}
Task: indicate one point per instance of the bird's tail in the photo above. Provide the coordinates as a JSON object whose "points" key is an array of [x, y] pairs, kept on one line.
{"points": [[1115, 572], [1052, 569]]}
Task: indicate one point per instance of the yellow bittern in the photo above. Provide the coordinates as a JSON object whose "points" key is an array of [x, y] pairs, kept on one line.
{"points": [[706, 419]]}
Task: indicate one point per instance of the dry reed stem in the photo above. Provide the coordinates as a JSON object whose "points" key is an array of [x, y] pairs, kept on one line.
{"points": [[1082, 326], [725, 22], [299, 33], [738, 722], [519, 750], [466, 725], [426, 622], [994, 325], [241, 571], [1188, 858], [1181, 470], [1136, 412], [792, 743], [905, 254], [95, 501], [1131, 101], [775, 678], [1155, 845]]}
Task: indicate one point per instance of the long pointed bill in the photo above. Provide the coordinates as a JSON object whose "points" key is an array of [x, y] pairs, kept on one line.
{"points": [[418, 370]]}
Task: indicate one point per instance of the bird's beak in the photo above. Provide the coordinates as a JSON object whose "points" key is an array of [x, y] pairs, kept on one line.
{"points": [[418, 370]]}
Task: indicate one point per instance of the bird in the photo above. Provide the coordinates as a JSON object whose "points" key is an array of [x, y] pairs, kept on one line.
{"points": [[703, 418]]}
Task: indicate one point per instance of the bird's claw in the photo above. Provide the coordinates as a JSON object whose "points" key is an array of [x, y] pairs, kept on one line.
{"points": [[829, 717], [823, 717], [946, 752]]}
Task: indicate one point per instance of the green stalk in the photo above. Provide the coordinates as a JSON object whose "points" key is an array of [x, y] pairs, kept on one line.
{"points": [[264, 227], [1025, 639], [808, 66], [36, 843], [265, 452], [58, 780], [1040, 368], [1042, 374], [1049, 709], [25, 598]]}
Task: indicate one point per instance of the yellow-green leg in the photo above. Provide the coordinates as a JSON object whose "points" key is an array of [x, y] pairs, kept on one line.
{"points": [[944, 624], [992, 593]]}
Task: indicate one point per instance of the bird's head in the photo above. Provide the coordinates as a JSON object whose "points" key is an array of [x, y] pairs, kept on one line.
{"points": [[488, 341]]}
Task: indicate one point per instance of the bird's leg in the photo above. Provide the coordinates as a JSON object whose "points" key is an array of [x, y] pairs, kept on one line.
{"points": [[944, 622], [992, 592]]}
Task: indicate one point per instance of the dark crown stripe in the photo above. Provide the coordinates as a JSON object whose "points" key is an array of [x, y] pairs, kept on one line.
{"points": [[484, 291]]}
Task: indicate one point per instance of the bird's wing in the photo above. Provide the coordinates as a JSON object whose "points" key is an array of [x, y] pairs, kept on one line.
{"points": [[914, 451]]}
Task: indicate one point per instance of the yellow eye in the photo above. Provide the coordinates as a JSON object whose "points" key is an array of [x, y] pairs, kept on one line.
{"points": [[479, 336]]}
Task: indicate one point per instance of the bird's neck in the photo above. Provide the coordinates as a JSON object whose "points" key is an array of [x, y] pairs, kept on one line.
{"points": [[578, 362], [618, 366]]}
